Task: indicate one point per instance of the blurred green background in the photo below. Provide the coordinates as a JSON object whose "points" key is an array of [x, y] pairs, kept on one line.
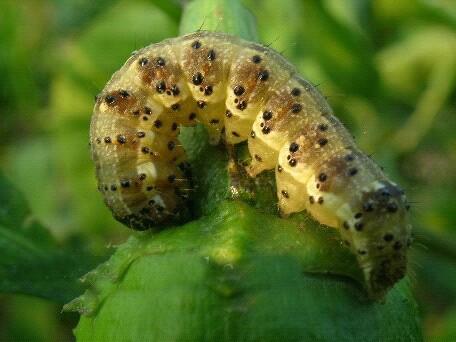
{"points": [[387, 67]]}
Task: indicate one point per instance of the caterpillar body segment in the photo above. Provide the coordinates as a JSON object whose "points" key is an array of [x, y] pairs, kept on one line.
{"points": [[242, 91]]}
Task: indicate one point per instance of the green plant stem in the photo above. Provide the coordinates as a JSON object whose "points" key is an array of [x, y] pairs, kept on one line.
{"points": [[228, 16]]}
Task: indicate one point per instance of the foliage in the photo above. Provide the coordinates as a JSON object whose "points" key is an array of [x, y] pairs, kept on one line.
{"points": [[31, 261], [237, 275]]}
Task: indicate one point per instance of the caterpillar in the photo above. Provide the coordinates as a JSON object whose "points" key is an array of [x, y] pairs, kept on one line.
{"points": [[242, 91]]}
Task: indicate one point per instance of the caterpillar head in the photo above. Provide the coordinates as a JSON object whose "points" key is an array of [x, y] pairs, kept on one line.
{"points": [[384, 234]]}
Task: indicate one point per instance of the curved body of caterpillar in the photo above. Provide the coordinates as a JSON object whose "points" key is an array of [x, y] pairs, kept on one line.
{"points": [[246, 92]]}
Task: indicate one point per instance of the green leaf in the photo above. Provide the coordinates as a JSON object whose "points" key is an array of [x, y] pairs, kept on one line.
{"points": [[237, 275], [31, 262]]}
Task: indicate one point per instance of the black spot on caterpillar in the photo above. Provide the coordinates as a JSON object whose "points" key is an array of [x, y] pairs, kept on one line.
{"points": [[244, 91]]}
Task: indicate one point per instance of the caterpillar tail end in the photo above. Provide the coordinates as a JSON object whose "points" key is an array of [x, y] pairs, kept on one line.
{"points": [[378, 232]]}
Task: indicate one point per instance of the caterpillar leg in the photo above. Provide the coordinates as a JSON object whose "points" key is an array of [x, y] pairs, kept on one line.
{"points": [[241, 186], [264, 156]]}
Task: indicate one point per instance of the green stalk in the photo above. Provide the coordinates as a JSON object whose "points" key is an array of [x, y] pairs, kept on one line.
{"points": [[227, 16]]}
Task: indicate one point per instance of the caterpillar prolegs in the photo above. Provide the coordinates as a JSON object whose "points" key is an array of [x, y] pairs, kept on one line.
{"points": [[243, 91]]}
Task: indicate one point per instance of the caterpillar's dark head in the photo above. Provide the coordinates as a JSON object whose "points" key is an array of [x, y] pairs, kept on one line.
{"points": [[385, 235]]}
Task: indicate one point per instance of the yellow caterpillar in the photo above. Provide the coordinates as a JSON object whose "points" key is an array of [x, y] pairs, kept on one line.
{"points": [[243, 91]]}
